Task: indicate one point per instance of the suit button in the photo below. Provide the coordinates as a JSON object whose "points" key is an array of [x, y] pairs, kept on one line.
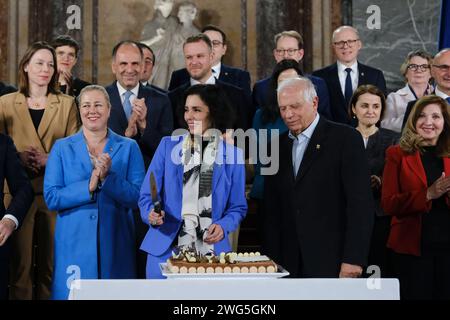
{"points": [[93, 217]]}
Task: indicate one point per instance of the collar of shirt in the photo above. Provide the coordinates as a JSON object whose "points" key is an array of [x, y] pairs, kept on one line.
{"points": [[122, 90], [308, 132], [343, 75], [211, 80], [439, 93], [144, 83], [216, 70]]}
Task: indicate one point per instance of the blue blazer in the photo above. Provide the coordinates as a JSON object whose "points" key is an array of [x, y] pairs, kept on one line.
{"points": [[229, 205], [93, 232], [159, 118], [261, 87], [339, 109], [237, 77]]}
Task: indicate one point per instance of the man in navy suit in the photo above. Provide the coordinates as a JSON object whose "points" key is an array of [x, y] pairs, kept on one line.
{"points": [[198, 57], [11, 217], [150, 118], [147, 68], [237, 77], [137, 112], [5, 89], [289, 45], [347, 74]]}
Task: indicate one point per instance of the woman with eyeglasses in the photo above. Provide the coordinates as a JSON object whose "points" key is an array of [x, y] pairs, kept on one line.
{"points": [[417, 73], [34, 117]]}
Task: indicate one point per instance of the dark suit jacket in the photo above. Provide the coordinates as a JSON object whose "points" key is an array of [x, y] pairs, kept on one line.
{"points": [[324, 216], [376, 155], [20, 188], [5, 89], [159, 118], [77, 86], [237, 77], [404, 197], [262, 86], [235, 95], [155, 88], [339, 109]]}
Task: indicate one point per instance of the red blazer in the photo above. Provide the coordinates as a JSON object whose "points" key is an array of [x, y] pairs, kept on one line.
{"points": [[404, 196]]}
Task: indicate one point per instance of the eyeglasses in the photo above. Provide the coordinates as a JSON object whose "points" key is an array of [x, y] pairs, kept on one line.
{"points": [[442, 67], [282, 52], [70, 56], [349, 43], [415, 67], [216, 43]]}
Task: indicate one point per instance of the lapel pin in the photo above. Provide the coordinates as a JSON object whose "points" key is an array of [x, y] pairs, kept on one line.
{"points": [[318, 146], [362, 73]]}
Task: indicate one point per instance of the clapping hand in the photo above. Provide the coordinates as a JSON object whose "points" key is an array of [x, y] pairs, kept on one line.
{"points": [[140, 112], [439, 187]]}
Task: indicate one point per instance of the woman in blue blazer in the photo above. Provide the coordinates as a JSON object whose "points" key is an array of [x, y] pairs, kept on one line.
{"points": [[92, 179], [200, 182]]}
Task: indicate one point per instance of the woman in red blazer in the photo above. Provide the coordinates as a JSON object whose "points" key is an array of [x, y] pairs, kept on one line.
{"points": [[416, 191]]}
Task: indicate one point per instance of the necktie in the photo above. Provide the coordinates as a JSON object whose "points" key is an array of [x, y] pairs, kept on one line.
{"points": [[448, 100], [127, 104], [348, 87]]}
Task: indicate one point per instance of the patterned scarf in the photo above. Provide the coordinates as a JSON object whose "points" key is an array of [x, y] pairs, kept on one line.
{"points": [[196, 209]]}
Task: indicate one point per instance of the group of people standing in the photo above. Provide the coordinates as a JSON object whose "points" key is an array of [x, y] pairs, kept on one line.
{"points": [[350, 191]]}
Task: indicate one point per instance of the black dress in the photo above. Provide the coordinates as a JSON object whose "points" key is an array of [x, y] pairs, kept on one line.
{"points": [[375, 152]]}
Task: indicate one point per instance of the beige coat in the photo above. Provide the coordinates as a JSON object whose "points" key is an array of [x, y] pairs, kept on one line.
{"points": [[59, 120]]}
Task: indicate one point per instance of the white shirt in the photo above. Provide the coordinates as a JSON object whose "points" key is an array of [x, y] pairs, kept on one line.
{"points": [[396, 104], [11, 217], [211, 80], [300, 144], [122, 91], [439, 93], [216, 70], [343, 75]]}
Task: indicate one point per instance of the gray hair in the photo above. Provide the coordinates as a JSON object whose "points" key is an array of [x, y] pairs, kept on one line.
{"points": [[300, 83], [94, 87]]}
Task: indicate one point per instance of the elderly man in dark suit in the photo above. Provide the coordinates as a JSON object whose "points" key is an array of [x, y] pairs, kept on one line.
{"points": [[198, 57], [347, 74], [12, 216], [138, 112], [289, 45], [318, 206]]}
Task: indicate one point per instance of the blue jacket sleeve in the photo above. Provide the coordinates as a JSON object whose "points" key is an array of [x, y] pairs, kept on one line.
{"points": [[126, 191], [57, 194]]}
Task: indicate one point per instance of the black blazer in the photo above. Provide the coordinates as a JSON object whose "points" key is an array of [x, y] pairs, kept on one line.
{"points": [[5, 89], [376, 155], [18, 183], [237, 77], [77, 86], [339, 109], [235, 95], [159, 118], [324, 216]]}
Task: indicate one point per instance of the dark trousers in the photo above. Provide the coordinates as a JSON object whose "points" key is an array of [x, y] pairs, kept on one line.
{"points": [[424, 278], [379, 254], [4, 278]]}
